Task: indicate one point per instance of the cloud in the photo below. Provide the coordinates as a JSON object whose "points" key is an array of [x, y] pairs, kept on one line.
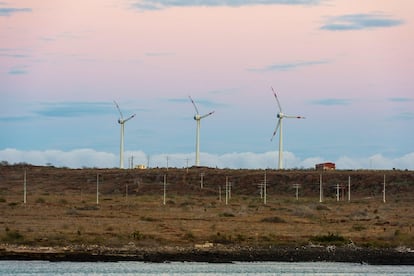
{"points": [[18, 71], [14, 55], [75, 109], [401, 100], [163, 4], [10, 11], [288, 66], [15, 118], [332, 102], [377, 161], [406, 116], [238, 160], [359, 22], [73, 159]]}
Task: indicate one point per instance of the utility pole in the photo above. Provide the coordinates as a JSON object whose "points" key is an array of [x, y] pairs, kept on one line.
{"points": [[296, 186], [165, 188], [97, 189], [349, 188], [261, 190], [227, 190], [24, 188], [337, 192], [264, 189], [201, 180], [220, 193], [131, 162], [383, 192], [187, 164], [320, 188], [126, 192]]}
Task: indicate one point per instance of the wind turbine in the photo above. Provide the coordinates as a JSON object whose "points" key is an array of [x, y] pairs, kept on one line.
{"points": [[280, 116], [122, 122], [198, 118]]}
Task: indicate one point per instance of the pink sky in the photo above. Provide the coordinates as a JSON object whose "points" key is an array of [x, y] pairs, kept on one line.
{"points": [[98, 51]]}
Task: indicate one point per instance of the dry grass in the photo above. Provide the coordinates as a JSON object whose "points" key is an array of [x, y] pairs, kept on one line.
{"points": [[145, 221], [63, 215]]}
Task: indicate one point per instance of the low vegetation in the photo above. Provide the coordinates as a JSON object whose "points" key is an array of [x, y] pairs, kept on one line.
{"points": [[329, 239], [61, 209]]}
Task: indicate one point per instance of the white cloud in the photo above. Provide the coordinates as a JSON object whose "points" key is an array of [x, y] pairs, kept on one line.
{"points": [[377, 161], [73, 159], [245, 160]]}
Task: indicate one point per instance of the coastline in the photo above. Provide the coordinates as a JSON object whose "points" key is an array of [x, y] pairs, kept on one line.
{"points": [[215, 254]]}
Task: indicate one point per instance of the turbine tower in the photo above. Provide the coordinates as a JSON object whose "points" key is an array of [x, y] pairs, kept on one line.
{"points": [[280, 117], [122, 122], [197, 118]]}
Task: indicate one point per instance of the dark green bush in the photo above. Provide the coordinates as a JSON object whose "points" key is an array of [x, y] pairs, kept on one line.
{"points": [[12, 236], [273, 220], [227, 215], [331, 239]]}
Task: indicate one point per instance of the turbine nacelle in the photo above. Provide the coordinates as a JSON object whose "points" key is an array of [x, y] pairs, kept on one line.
{"points": [[122, 121]]}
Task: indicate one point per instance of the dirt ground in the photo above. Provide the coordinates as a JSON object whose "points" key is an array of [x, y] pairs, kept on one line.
{"points": [[61, 207]]}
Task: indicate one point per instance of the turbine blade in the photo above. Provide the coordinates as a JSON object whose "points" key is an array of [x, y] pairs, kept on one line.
{"points": [[117, 107], [294, 117], [278, 103], [195, 107], [274, 132], [132, 116], [206, 115]]}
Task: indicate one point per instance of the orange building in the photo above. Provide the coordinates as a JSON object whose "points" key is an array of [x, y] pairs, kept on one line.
{"points": [[327, 166]]}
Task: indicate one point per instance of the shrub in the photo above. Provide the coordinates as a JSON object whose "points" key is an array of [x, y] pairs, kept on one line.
{"points": [[321, 207], [88, 208], [72, 212], [273, 220], [221, 238], [186, 203], [149, 219], [136, 235], [358, 227], [226, 215], [189, 236], [12, 236], [63, 201], [240, 238], [40, 200], [334, 239]]}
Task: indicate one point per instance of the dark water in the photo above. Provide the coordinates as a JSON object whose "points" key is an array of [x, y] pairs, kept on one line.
{"points": [[140, 268]]}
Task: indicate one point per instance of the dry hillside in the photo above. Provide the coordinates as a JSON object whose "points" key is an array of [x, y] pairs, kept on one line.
{"points": [[61, 207]]}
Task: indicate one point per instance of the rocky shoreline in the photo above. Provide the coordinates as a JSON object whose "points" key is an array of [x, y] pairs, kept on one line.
{"points": [[213, 254]]}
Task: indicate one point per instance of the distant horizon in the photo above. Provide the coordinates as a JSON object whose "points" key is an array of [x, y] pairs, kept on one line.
{"points": [[88, 158]]}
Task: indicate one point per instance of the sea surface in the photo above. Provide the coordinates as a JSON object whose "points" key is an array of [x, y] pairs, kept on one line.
{"points": [[177, 268]]}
